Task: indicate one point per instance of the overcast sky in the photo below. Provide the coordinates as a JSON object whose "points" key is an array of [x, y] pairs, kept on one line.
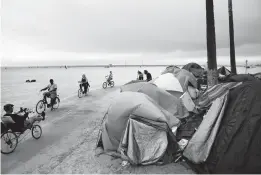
{"points": [[53, 32]]}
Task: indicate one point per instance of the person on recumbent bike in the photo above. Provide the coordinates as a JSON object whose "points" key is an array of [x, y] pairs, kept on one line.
{"points": [[52, 92], [17, 122]]}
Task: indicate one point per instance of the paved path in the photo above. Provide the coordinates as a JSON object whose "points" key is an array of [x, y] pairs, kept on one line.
{"points": [[68, 142]]}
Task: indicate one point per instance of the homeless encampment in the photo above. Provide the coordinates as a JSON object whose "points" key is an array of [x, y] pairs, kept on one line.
{"points": [[228, 139], [137, 129]]}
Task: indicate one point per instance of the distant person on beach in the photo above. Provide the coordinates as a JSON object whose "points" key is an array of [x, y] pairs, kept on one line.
{"points": [[148, 75], [140, 75], [19, 121], [110, 77], [52, 90], [84, 83]]}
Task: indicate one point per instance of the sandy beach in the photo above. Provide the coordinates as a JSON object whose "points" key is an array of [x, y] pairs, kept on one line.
{"points": [[68, 142]]}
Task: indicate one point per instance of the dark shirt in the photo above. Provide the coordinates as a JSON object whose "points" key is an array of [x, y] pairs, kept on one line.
{"points": [[84, 81], [149, 76], [140, 76], [19, 120]]}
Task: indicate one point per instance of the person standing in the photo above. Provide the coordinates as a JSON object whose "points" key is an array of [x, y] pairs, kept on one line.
{"points": [[148, 75], [140, 75]]}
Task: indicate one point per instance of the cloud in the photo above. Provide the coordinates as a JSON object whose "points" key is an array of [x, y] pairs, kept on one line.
{"points": [[66, 29]]}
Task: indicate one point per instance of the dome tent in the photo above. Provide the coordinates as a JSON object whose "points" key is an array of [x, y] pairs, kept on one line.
{"points": [[163, 98], [195, 69], [170, 69], [169, 83], [137, 129]]}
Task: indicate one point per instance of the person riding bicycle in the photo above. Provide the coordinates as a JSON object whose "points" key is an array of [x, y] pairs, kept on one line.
{"points": [[52, 92], [84, 83], [19, 122], [110, 77]]}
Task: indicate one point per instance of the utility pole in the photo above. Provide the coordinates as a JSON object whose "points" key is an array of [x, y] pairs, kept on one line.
{"points": [[231, 37], [211, 44]]}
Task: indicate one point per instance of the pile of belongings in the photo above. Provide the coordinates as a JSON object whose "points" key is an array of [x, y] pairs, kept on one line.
{"points": [[166, 120]]}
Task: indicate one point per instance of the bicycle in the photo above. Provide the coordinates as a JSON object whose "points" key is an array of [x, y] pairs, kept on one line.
{"points": [[10, 134], [43, 104], [106, 83]]}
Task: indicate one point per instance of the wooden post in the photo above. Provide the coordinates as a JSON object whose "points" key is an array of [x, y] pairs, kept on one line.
{"points": [[231, 37], [211, 44]]}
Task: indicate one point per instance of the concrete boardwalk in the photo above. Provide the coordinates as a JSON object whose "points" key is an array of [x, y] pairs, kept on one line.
{"points": [[68, 142]]}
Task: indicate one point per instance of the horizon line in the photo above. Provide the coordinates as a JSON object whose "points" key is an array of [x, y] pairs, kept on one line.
{"points": [[110, 65]]}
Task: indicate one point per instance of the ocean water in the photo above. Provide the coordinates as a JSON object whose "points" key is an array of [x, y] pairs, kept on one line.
{"points": [[14, 89]]}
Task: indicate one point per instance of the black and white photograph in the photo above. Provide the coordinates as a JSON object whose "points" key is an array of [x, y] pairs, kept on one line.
{"points": [[130, 86]]}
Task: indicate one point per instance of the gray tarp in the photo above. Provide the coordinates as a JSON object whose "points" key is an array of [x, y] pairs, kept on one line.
{"points": [[122, 135], [201, 143]]}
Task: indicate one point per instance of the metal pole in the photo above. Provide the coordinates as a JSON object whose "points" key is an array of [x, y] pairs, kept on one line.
{"points": [[231, 37]]}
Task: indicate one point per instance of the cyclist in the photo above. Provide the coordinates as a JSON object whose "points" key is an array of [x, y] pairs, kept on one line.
{"points": [[110, 77], [19, 121], [84, 83], [52, 92]]}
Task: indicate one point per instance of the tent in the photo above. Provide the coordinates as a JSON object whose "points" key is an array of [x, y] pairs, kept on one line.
{"points": [[228, 141], [169, 83], [137, 129], [224, 71], [241, 78], [163, 98], [185, 78], [170, 69], [206, 99], [195, 69]]}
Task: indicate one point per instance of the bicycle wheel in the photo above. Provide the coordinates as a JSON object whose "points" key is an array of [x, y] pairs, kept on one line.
{"points": [[112, 84], [9, 142], [36, 131], [40, 107], [56, 103], [80, 94], [104, 85]]}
